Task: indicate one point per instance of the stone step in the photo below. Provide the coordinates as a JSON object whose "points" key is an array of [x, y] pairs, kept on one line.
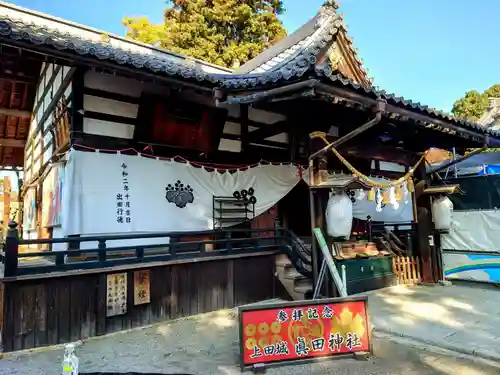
{"points": [[293, 274], [283, 262], [303, 289]]}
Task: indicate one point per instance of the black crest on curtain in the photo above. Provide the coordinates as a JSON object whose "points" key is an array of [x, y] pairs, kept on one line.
{"points": [[246, 195], [179, 194]]}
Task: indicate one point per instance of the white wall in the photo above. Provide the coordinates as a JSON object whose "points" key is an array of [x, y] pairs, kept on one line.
{"points": [[116, 85]]}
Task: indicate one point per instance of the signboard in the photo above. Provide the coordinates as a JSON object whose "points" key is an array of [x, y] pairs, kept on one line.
{"points": [[116, 303], [141, 287], [287, 332]]}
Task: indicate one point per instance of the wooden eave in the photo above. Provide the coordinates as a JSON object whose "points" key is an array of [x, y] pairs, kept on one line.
{"points": [[19, 75], [350, 65]]}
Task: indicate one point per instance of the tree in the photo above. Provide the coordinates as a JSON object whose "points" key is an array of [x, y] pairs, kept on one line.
{"points": [[471, 106], [475, 104], [493, 91], [223, 32]]}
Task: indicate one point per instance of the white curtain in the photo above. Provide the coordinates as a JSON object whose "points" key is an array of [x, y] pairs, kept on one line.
{"points": [[473, 231], [114, 193]]}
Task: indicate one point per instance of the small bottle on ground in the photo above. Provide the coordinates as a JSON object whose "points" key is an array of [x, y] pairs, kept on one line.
{"points": [[70, 361]]}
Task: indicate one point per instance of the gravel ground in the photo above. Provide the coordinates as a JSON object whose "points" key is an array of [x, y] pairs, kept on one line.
{"points": [[208, 344]]}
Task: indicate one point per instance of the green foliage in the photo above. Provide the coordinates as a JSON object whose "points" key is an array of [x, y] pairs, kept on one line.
{"points": [[471, 106], [475, 104], [223, 32], [493, 91]]}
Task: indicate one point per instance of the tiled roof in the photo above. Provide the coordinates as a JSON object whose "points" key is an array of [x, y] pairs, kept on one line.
{"points": [[18, 24], [41, 29], [302, 65]]}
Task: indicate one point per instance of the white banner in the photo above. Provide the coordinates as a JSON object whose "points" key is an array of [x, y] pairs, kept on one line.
{"points": [[114, 193]]}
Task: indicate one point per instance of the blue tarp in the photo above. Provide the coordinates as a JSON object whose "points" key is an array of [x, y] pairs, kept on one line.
{"points": [[490, 169]]}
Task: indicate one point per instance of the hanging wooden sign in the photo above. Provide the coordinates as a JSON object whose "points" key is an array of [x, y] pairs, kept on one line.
{"points": [[142, 287], [116, 303]]}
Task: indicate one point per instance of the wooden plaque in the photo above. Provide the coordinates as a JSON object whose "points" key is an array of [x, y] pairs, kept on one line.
{"points": [[142, 287], [116, 298]]}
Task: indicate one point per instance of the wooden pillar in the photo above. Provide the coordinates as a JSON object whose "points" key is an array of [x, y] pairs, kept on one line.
{"points": [[318, 201], [7, 191], [424, 227], [312, 208], [77, 114], [244, 127]]}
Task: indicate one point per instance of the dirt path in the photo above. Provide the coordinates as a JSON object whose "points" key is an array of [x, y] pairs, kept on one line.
{"points": [[208, 344]]}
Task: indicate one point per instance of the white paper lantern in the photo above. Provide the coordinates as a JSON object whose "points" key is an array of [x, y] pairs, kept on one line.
{"points": [[442, 209], [339, 215]]}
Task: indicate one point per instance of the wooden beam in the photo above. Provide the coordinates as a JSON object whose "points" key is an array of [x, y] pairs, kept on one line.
{"points": [[379, 109], [15, 113], [19, 79], [267, 131], [244, 127], [381, 152], [9, 142]]}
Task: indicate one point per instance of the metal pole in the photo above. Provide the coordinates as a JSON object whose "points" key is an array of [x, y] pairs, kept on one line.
{"points": [[321, 276]]}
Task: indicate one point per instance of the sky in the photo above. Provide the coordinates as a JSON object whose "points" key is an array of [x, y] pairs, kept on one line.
{"points": [[428, 51]]}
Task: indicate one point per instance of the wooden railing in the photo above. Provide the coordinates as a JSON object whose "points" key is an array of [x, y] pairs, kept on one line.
{"points": [[407, 269], [80, 254]]}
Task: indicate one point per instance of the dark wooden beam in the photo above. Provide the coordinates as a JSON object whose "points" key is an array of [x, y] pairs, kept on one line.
{"points": [[244, 127], [19, 79], [77, 113], [423, 211], [219, 118], [379, 109], [111, 95], [265, 143], [251, 123], [267, 131], [381, 152], [15, 143], [15, 113], [254, 155]]}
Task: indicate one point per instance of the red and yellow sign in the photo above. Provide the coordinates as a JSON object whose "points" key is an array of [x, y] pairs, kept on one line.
{"points": [[290, 331]]}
